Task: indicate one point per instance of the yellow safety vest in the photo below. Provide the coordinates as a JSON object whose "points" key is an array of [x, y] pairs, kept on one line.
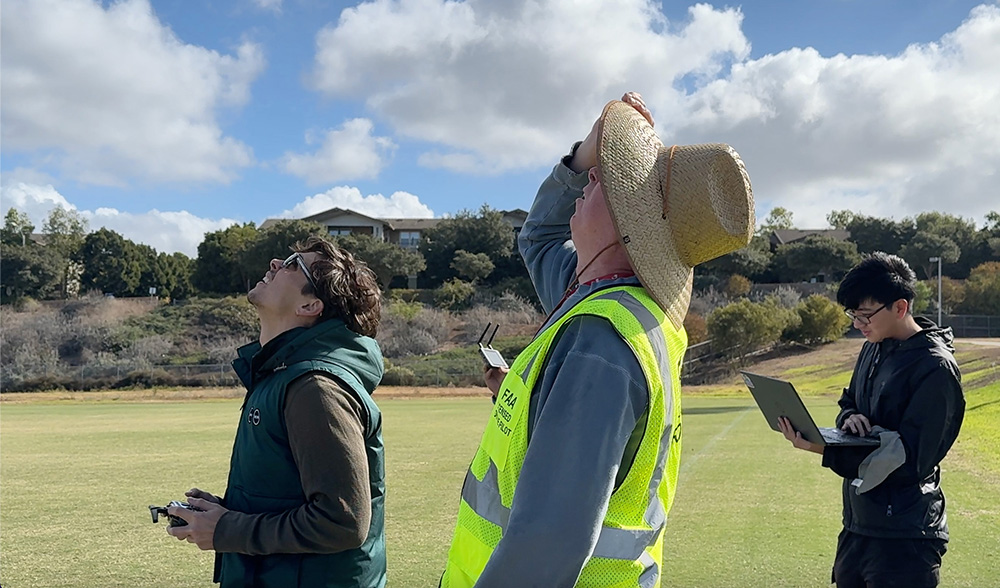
{"points": [[629, 549]]}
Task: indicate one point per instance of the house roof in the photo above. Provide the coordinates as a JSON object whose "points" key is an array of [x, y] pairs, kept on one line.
{"points": [[333, 213], [395, 224], [412, 224], [785, 236]]}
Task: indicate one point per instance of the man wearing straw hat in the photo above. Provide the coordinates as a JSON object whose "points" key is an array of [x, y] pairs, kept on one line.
{"points": [[577, 468]]}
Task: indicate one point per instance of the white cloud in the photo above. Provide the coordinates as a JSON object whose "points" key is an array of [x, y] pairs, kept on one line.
{"points": [[505, 85], [398, 205], [887, 136], [272, 5], [37, 201], [498, 86], [348, 153], [109, 95], [163, 230]]}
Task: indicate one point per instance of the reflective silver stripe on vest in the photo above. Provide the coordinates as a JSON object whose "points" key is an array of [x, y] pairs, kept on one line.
{"points": [[651, 573], [627, 544], [613, 543], [527, 367], [484, 497]]}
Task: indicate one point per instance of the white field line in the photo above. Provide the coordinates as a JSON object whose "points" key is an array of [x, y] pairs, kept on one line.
{"points": [[690, 461]]}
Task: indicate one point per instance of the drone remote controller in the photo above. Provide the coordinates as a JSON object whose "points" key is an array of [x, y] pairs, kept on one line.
{"points": [[173, 520], [491, 356]]}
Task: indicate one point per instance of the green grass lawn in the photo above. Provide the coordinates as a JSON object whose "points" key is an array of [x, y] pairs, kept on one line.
{"points": [[76, 480]]}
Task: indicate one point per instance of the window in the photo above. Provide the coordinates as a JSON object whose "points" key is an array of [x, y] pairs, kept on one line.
{"points": [[409, 239]]}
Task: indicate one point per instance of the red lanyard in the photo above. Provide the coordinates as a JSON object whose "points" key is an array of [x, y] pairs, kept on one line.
{"points": [[576, 286]]}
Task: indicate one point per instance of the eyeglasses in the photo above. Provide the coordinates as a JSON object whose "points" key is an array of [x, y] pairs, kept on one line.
{"points": [[864, 319], [296, 258]]}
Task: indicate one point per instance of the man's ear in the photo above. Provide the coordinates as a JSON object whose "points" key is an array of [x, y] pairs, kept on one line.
{"points": [[900, 307], [313, 308]]}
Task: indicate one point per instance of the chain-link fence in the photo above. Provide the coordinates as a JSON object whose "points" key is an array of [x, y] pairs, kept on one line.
{"points": [[968, 325]]}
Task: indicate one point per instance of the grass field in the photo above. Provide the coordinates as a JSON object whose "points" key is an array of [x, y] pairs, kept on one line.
{"points": [[76, 478]]}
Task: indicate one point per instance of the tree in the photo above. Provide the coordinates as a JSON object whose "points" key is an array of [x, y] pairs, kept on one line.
{"points": [[17, 228], [813, 256], [485, 233], [922, 297], [779, 218], [149, 277], [926, 245], [111, 263], [174, 273], [990, 236], [872, 234], [840, 219], [64, 231], [387, 260], [982, 290], [471, 266], [28, 271], [274, 242], [972, 247], [218, 268], [751, 261], [952, 293]]}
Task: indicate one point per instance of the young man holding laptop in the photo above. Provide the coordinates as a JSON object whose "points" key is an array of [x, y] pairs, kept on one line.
{"points": [[907, 387]]}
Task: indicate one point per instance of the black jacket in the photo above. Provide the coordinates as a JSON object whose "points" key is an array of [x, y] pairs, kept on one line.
{"points": [[912, 387]]}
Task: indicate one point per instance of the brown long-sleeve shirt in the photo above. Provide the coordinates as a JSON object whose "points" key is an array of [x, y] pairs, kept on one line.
{"points": [[326, 432]]}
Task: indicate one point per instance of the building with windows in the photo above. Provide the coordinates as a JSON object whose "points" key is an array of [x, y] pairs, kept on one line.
{"points": [[405, 232]]}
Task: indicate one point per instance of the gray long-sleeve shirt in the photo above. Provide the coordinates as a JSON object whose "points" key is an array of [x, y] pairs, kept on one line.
{"points": [[582, 414]]}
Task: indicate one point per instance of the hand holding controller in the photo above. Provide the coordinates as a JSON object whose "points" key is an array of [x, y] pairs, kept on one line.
{"points": [[174, 521]]}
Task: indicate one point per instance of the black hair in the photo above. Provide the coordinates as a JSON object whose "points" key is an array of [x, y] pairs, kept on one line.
{"points": [[880, 277]]}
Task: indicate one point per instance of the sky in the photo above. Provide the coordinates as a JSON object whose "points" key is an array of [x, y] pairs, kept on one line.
{"points": [[167, 119]]}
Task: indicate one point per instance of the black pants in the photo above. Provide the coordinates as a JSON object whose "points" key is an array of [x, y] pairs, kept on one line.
{"points": [[870, 562]]}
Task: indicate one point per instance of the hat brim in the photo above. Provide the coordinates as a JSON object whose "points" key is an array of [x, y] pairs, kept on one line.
{"points": [[627, 156]]}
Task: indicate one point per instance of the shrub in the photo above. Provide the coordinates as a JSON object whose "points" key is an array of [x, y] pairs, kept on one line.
{"points": [[822, 321], [453, 294], [982, 290], [787, 317], [696, 327], [705, 301], [397, 375], [922, 300], [737, 286], [744, 327], [411, 329], [783, 296]]}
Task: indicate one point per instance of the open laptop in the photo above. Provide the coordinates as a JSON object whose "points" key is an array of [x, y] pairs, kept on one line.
{"points": [[778, 398]]}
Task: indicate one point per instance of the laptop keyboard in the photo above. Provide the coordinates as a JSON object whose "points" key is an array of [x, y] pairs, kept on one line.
{"points": [[837, 435]]}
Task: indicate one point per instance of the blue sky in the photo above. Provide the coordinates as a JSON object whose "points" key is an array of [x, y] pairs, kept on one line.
{"points": [[166, 119]]}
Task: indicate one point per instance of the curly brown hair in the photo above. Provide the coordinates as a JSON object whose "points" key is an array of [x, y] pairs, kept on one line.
{"points": [[347, 286]]}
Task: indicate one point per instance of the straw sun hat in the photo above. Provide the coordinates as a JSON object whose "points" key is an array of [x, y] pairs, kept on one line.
{"points": [[673, 207]]}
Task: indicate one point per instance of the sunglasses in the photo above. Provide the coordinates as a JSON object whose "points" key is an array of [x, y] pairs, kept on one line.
{"points": [[296, 259]]}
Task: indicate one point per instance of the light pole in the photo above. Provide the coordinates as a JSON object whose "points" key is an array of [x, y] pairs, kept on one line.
{"points": [[938, 260]]}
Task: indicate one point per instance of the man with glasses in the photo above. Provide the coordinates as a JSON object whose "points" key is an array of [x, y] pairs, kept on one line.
{"points": [[304, 500], [906, 388]]}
